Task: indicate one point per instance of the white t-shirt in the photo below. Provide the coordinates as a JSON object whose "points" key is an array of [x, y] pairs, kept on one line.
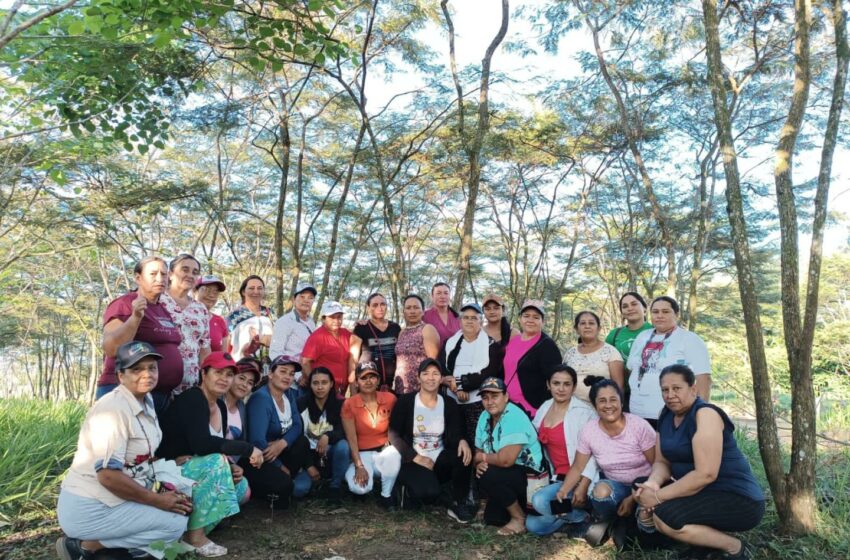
{"points": [[429, 425], [241, 335], [595, 363], [284, 415], [681, 347]]}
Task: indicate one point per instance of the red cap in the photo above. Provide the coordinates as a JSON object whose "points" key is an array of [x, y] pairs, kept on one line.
{"points": [[219, 360]]}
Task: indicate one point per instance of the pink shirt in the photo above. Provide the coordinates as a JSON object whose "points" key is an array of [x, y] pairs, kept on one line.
{"points": [[514, 351], [445, 330], [620, 457], [218, 330]]}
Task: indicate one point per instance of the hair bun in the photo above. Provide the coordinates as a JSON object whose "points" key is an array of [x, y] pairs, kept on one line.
{"points": [[591, 380]]}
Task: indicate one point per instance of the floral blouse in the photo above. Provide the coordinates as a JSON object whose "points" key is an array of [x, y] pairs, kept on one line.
{"points": [[194, 324]]}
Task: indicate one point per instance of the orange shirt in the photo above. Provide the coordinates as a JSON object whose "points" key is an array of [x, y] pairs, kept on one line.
{"points": [[371, 431]]}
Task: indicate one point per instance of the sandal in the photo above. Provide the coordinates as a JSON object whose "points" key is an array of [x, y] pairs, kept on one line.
{"points": [[508, 532], [208, 550]]}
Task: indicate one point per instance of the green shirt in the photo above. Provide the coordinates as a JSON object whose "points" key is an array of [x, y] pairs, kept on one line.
{"points": [[513, 428], [621, 338]]}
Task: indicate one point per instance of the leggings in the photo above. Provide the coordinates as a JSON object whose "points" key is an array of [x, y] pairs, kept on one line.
{"points": [[424, 484], [502, 486], [724, 511]]}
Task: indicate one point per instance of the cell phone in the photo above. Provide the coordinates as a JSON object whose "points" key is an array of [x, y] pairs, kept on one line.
{"points": [[559, 508]]}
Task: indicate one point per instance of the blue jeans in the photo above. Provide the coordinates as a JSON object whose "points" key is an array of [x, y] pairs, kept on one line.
{"points": [[605, 509], [340, 456], [546, 523]]}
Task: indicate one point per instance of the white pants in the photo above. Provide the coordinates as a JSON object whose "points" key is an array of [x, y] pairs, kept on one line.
{"points": [[383, 464]]}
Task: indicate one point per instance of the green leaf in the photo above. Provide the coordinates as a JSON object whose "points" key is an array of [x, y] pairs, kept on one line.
{"points": [[77, 27]]}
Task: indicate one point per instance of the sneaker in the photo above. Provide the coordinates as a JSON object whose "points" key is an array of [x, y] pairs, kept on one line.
{"points": [[72, 549], [744, 554], [575, 530], [387, 503], [461, 513]]}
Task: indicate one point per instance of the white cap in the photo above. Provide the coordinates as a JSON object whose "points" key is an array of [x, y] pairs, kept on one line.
{"points": [[331, 308]]}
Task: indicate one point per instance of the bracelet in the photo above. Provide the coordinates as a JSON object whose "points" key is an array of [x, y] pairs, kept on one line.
{"points": [[657, 499], [360, 466]]}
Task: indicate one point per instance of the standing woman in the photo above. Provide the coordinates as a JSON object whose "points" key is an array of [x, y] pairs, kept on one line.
{"points": [[366, 421], [633, 310], [207, 290], [592, 356], [251, 324], [191, 316], [711, 490], [496, 324], [141, 316], [378, 337], [331, 346], [528, 357], [559, 423], [653, 350], [417, 341], [440, 315], [506, 451]]}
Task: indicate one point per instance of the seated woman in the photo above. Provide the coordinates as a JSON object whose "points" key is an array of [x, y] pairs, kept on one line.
{"points": [[329, 451], [427, 430], [108, 498], [624, 448], [506, 451], [193, 430], [701, 486], [275, 426], [366, 421], [559, 422], [247, 376]]}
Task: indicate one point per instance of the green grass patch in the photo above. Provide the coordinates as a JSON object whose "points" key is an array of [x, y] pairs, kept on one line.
{"points": [[37, 443]]}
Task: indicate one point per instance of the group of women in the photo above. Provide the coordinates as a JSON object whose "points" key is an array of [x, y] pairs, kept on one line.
{"points": [[525, 437]]}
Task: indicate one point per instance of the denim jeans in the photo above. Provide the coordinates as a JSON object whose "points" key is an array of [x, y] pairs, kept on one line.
{"points": [[340, 458], [605, 509], [546, 523]]}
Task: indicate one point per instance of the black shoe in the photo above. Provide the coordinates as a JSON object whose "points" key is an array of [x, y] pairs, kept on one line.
{"points": [[575, 530], [387, 503], [461, 513], [618, 533], [598, 533], [744, 554], [71, 549], [697, 553]]}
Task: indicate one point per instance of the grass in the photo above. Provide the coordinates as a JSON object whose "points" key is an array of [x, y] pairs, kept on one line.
{"points": [[37, 441]]}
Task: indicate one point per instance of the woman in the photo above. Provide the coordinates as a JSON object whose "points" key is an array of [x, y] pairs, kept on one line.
{"points": [[251, 324], [417, 341], [633, 310], [470, 356], [333, 347], [506, 451], [653, 350], [559, 422], [440, 315], [366, 421], [592, 356], [275, 427], [427, 430], [378, 337], [528, 356], [623, 446], [701, 486], [497, 325], [108, 498], [207, 290], [191, 316], [141, 316], [194, 429], [247, 376], [320, 413]]}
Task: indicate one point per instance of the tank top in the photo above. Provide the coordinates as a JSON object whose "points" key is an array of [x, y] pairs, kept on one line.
{"points": [[410, 351]]}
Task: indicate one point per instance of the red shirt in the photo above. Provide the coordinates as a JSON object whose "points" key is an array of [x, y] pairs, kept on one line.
{"points": [[324, 349], [371, 432], [555, 441], [218, 330], [155, 328]]}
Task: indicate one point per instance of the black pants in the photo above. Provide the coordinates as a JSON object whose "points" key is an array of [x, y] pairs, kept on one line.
{"points": [[424, 484], [502, 486], [470, 413], [724, 511], [271, 482]]}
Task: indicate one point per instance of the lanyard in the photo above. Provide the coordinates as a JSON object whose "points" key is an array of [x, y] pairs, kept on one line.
{"points": [[644, 364]]}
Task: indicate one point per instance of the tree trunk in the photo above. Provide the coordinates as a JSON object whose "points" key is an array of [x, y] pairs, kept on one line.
{"points": [[286, 151]]}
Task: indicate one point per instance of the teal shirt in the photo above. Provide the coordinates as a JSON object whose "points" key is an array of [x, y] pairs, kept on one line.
{"points": [[513, 428], [622, 338]]}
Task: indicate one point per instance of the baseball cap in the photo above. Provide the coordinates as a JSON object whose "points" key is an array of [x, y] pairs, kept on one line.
{"points": [[535, 304], [366, 367], [331, 308], [493, 297], [474, 306], [304, 287], [493, 384], [130, 353], [219, 360], [209, 280], [249, 365], [284, 360], [428, 362]]}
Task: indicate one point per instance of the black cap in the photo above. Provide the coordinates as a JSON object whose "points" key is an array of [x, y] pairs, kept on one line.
{"points": [[493, 384], [131, 352], [427, 362], [284, 360], [366, 367]]}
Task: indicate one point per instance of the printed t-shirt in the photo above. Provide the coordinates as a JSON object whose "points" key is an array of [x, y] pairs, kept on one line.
{"points": [[284, 415], [594, 363], [514, 351], [324, 349], [445, 330], [622, 338], [381, 345], [620, 457], [429, 424], [554, 439], [241, 322], [194, 324], [513, 428], [371, 430], [314, 430], [218, 330], [155, 328]]}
